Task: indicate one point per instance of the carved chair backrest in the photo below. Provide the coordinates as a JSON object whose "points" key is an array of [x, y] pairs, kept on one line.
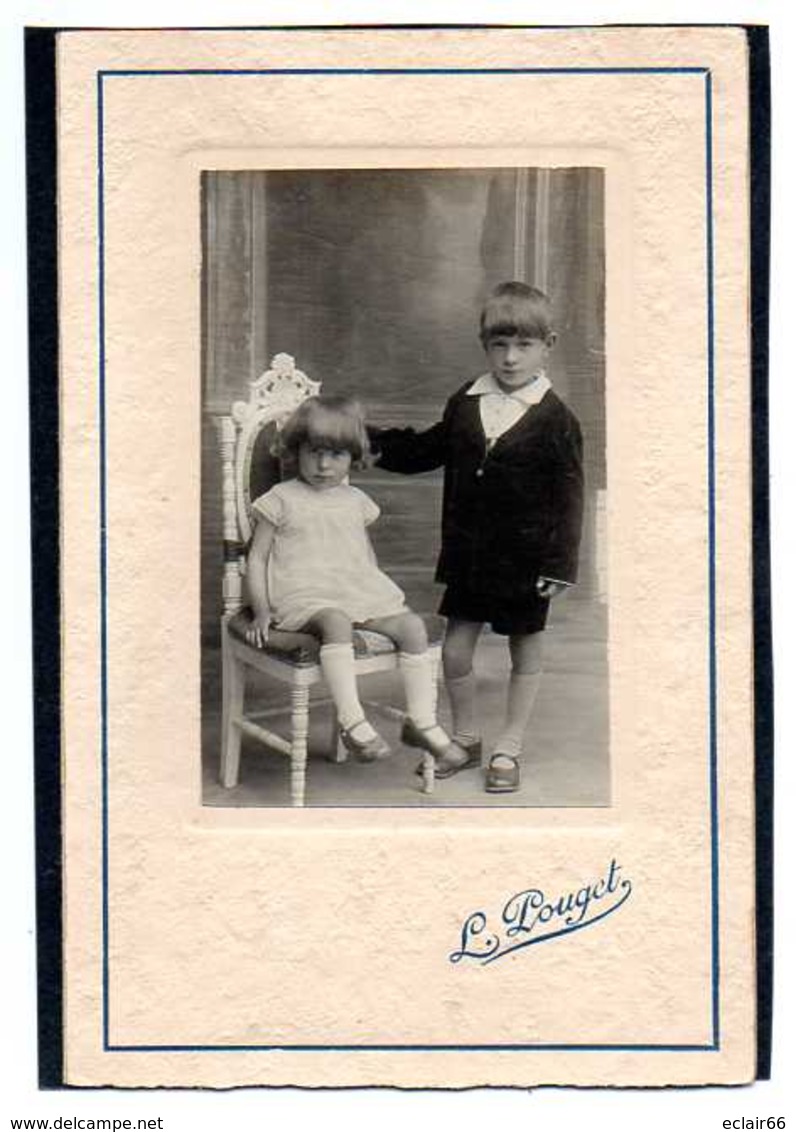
{"points": [[248, 463]]}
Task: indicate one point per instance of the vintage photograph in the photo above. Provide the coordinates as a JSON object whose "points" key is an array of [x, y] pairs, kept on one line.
{"points": [[404, 585], [408, 722]]}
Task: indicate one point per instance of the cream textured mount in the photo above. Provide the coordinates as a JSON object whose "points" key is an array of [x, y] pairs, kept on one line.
{"points": [[290, 658]]}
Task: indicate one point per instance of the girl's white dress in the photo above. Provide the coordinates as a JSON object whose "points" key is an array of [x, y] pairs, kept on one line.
{"points": [[321, 555]]}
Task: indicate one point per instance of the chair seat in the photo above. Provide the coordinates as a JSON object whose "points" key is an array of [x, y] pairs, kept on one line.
{"points": [[301, 649]]}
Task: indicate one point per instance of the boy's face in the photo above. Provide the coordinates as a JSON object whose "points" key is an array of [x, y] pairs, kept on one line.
{"points": [[515, 360], [323, 468]]}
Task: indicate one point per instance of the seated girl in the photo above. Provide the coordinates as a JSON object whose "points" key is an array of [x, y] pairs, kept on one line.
{"points": [[312, 568]]}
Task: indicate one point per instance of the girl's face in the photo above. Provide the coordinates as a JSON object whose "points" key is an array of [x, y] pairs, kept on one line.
{"points": [[516, 360], [322, 467]]}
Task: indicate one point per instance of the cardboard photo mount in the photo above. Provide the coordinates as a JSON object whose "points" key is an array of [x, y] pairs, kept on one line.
{"points": [[385, 947]]}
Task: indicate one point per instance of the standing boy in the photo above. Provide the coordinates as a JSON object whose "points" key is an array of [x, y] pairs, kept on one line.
{"points": [[511, 516]]}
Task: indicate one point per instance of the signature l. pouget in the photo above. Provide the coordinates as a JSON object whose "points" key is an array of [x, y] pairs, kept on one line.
{"points": [[531, 916]]}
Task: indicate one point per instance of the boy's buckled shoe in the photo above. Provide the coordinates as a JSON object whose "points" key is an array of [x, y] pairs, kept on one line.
{"points": [[502, 779]]}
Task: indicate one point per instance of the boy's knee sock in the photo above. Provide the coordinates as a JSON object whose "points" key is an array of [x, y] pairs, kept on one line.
{"points": [[337, 665], [523, 688], [417, 673], [461, 693]]}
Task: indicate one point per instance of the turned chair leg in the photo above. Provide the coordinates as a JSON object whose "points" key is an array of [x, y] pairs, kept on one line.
{"points": [[299, 727], [436, 675], [233, 684], [337, 752], [428, 759]]}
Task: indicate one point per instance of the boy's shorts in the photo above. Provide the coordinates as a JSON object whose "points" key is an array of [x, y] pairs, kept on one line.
{"points": [[507, 615]]}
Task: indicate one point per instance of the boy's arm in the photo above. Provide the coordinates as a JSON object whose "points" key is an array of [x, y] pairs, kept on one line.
{"points": [[409, 451], [561, 564], [406, 450], [257, 582]]}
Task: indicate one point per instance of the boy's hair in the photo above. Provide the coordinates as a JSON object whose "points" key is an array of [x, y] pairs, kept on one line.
{"points": [[326, 422], [516, 308]]}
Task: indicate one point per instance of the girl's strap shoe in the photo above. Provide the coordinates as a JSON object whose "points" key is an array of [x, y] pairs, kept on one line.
{"points": [[502, 779], [365, 750]]}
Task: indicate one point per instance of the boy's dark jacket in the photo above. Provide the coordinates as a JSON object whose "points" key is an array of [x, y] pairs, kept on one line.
{"points": [[510, 515]]}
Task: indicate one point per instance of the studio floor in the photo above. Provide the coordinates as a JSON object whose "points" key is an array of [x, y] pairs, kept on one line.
{"points": [[565, 760]]}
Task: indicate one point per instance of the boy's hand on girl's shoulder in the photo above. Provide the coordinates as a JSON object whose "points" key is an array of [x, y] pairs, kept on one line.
{"points": [[549, 588], [257, 632]]}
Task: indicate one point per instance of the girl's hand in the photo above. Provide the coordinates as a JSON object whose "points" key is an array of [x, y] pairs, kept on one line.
{"points": [[546, 587], [257, 633]]}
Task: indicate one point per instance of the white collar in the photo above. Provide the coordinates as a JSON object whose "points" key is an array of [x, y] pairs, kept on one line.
{"points": [[530, 394]]}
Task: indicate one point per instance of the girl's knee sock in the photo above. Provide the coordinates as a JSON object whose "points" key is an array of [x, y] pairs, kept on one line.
{"points": [[523, 688], [337, 665], [461, 693], [418, 677]]}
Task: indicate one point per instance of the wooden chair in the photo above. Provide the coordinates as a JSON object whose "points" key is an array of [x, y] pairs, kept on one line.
{"points": [[248, 469]]}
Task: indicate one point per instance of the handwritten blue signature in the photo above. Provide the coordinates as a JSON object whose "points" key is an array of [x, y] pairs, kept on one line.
{"points": [[531, 917]]}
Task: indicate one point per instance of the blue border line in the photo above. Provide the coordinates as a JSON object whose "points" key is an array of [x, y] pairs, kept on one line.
{"points": [[714, 821], [246, 73], [712, 715], [412, 1049], [103, 557]]}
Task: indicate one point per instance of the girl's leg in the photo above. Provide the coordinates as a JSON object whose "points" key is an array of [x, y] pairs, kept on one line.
{"points": [[406, 630], [458, 649], [337, 664], [409, 634], [526, 674]]}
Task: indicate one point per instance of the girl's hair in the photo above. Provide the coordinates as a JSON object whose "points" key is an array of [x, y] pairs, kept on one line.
{"points": [[516, 308], [326, 422]]}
